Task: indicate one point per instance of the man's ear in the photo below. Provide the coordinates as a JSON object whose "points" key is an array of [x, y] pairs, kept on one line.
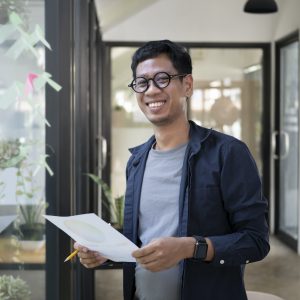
{"points": [[189, 81]]}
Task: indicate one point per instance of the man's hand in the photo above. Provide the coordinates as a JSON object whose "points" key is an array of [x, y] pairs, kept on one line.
{"points": [[88, 258], [164, 253]]}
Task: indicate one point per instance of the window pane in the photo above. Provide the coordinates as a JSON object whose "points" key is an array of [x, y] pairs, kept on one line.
{"points": [[228, 94], [289, 149], [22, 148]]}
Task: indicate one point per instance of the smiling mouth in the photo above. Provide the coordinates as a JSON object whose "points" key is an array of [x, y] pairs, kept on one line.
{"points": [[156, 104]]}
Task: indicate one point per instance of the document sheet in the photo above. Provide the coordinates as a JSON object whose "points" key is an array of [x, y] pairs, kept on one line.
{"points": [[91, 231]]}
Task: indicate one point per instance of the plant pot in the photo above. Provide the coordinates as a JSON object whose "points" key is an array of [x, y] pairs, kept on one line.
{"points": [[31, 245], [32, 232]]}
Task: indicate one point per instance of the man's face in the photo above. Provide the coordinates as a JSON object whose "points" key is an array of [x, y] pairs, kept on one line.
{"points": [[167, 105]]}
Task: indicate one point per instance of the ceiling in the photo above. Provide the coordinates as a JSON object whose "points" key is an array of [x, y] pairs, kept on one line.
{"points": [[112, 12], [193, 17]]}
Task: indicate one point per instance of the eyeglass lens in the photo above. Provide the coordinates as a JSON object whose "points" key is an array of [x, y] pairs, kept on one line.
{"points": [[161, 80]]}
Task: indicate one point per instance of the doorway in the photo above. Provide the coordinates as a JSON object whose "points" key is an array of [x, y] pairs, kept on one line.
{"points": [[228, 77]]}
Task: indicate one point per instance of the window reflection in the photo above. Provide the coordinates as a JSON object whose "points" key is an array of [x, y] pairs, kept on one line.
{"points": [[228, 94], [22, 153]]}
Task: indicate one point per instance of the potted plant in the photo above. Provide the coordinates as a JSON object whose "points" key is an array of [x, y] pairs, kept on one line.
{"points": [[115, 205], [30, 226], [31, 207], [12, 288]]}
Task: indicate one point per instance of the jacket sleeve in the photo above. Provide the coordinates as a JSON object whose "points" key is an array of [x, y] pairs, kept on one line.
{"points": [[246, 207]]}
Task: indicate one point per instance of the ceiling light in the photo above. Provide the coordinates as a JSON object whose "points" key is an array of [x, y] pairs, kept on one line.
{"points": [[261, 6], [252, 68]]}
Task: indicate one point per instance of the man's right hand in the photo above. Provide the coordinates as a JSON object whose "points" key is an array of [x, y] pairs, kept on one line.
{"points": [[88, 258]]}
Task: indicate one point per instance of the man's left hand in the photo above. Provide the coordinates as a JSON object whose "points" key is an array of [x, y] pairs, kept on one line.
{"points": [[164, 253]]}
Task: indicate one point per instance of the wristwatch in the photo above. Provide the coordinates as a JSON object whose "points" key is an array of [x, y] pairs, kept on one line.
{"points": [[200, 251]]}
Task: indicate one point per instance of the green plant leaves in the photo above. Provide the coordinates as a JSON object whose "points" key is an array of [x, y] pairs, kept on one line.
{"points": [[12, 288], [116, 205]]}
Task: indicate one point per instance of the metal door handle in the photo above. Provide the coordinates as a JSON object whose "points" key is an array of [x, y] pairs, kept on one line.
{"points": [[102, 152], [274, 144], [286, 141], [287, 145]]}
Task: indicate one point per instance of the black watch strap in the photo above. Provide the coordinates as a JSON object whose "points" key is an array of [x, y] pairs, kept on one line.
{"points": [[200, 251]]}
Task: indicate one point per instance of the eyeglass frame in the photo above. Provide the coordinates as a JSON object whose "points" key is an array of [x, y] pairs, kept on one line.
{"points": [[155, 83]]}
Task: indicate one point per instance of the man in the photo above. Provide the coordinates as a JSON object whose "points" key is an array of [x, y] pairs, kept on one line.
{"points": [[194, 203]]}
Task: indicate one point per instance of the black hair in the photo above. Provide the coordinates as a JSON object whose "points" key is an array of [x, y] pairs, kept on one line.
{"points": [[178, 55]]}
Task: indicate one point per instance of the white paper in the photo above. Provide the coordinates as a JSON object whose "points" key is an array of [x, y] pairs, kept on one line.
{"points": [[5, 221], [92, 232]]}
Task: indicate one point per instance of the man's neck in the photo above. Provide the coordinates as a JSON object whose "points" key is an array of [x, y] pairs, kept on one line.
{"points": [[171, 136]]}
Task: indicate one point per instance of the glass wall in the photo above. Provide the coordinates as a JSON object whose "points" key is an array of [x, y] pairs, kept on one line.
{"points": [[228, 94], [22, 148], [289, 141]]}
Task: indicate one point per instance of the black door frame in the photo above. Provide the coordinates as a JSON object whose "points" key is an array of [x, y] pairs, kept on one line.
{"points": [[290, 38], [73, 32]]}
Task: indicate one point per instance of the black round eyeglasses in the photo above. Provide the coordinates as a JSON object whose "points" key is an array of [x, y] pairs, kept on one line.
{"points": [[161, 80]]}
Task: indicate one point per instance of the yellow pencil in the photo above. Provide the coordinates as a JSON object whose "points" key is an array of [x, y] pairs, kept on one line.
{"points": [[71, 255]]}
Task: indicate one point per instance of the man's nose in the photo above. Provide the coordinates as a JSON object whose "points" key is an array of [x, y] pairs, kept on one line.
{"points": [[152, 87]]}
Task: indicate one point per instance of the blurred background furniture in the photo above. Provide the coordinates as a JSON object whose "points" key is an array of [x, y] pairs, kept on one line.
{"points": [[252, 295]]}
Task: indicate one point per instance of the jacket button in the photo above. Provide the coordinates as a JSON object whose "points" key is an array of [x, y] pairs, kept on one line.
{"points": [[222, 261]]}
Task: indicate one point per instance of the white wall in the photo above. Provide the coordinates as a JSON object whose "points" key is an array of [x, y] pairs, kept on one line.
{"points": [[195, 21], [288, 19]]}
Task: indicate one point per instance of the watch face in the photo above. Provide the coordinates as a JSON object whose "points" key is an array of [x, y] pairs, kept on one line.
{"points": [[200, 248]]}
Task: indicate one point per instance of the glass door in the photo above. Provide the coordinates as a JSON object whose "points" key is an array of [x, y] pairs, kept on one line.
{"points": [[22, 149], [286, 138]]}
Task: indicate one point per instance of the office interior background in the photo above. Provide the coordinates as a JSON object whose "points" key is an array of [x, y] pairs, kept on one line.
{"points": [[66, 111]]}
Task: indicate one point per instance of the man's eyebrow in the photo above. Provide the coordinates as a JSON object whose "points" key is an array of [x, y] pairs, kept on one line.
{"points": [[141, 75], [146, 75]]}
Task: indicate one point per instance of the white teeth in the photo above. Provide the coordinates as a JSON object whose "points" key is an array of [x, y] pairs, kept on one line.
{"points": [[156, 104]]}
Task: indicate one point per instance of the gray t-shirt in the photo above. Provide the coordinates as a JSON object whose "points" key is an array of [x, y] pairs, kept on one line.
{"points": [[158, 217]]}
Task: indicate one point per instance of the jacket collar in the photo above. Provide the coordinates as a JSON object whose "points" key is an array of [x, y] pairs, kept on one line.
{"points": [[138, 151], [197, 136]]}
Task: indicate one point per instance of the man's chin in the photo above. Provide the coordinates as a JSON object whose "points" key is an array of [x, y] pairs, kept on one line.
{"points": [[159, 121]]}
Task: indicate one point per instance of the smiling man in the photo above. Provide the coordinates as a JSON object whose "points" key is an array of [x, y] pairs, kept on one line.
{"points": [[194, 202]]}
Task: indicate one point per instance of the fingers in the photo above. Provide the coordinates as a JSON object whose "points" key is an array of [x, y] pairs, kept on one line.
{"points": [[145, 251], [80, 248], [148, 256], [153, 266], [88, 258], [160, 254], [91, 259]]}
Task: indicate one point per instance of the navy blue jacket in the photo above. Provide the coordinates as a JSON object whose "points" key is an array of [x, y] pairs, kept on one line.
{"points": [[220, 198]]}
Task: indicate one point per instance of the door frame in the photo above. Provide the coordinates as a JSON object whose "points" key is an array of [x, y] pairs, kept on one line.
{"points": [[288, 39], [72, 29]]}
